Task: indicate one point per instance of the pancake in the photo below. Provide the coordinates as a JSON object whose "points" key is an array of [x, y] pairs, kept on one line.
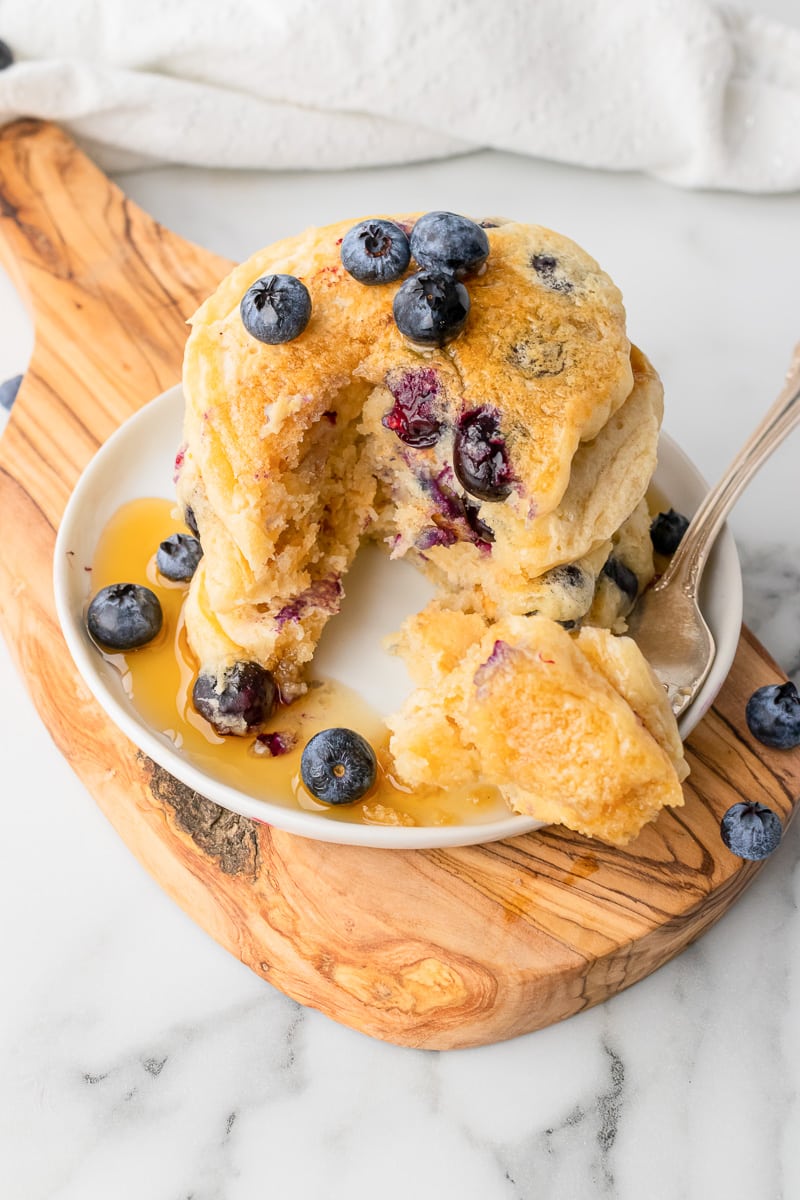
{"points": [[291, 458], [572, 728]]}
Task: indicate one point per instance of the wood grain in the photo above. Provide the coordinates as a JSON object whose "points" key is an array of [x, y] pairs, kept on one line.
{"points": [[423, 948]]}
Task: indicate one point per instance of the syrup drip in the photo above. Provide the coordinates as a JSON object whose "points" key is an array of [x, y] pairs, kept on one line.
{"points": [[158, 680]]}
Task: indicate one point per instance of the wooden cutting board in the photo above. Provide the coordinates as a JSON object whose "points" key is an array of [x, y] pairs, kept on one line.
{"points": [[439, 948]]}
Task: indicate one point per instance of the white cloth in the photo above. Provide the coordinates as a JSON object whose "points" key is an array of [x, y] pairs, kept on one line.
{"points": [[691, 91]]}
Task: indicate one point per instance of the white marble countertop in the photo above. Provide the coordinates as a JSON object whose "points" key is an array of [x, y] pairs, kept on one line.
{"points": [[140, 1060]]}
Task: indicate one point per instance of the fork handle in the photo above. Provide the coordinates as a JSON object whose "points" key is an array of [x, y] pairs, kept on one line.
{"points": [[691, 556]]}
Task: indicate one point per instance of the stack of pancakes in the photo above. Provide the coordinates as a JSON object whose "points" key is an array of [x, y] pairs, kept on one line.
{"points": [[291, 454]]}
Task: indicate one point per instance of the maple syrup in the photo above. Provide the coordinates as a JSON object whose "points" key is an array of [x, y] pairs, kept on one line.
{"points": [[158, 680]]}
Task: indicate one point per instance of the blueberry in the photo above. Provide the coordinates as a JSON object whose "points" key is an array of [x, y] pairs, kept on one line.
{"points": [[242, 700], [9, 389], [178, 556], [276, 308], [431, 308], [480, 458], [773, 715], [545, 266], [338, 766], [375, 251], [751, 830], [191, 520], [412, 416], [6, 56], [622, 576], [667, 530], [124, 616], [444, 241]]}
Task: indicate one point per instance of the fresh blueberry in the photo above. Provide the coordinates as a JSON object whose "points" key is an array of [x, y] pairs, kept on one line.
{"points": [[191, 521], [9, 389], [178, 556], [773, 715], [444, 241], [412, 416], [124, 616], [375, 251], [623, 577], [276, 308], [6, 56], [338, 766], [431, 308], [242, 700], [751, 830], [480, 458], [667, 530]]}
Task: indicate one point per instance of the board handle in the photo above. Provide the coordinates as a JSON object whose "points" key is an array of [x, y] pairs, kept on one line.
{"points": [[109, 291], [96, 272]]}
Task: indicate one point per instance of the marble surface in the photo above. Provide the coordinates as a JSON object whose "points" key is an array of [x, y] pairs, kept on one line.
{"points": [[140, 1060]]}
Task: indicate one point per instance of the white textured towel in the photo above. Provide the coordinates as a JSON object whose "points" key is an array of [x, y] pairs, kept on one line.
{"points": [[693, 92]]}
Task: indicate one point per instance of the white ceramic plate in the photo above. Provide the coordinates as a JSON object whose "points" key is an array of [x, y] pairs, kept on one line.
{"points": [[138, 461]]}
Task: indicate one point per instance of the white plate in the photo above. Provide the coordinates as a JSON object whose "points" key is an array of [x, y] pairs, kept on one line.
{"points": [[137, 461]]}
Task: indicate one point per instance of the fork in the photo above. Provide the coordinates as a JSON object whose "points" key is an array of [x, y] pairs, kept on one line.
{"points": [[667, 623]]}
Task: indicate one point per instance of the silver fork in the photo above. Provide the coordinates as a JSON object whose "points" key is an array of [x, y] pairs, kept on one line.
{"points": [[667, 623]]}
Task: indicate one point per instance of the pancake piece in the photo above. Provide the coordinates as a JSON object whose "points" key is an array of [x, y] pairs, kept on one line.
{"points": [[573, 728], [294, 452]]}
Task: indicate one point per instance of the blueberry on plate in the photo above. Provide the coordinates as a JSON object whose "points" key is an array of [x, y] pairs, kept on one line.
{"points": [[751, 830], [480, 458], [178, 557], [667, 530], [375, 251], [338, 766], [773, 715], [431, 308], [276, 309], [444, 241], [242, 700], [124, 616]]}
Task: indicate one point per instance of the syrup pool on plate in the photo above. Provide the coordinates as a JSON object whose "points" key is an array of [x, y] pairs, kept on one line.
{"points": [[158, 681]]}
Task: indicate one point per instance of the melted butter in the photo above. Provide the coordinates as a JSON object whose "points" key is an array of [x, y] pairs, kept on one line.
{"points": [[158, 679]]}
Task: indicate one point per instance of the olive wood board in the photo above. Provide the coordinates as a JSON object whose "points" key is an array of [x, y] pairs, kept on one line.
{"points": [[436, 948]]}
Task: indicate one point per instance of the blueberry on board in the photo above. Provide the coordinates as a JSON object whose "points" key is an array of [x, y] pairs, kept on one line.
{"points": [[10, 387], [276, 309], [375, 251], [178, 556], [431, 308], [338, 766], [667, 530], [242, 700], [124, 616], [622, 576], [751, 830], [480, 458], [6, 56], [444, 241], [773, 715]]}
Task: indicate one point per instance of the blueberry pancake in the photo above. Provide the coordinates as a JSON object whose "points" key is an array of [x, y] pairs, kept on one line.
{"points": [[573, 729], [503, 432]]}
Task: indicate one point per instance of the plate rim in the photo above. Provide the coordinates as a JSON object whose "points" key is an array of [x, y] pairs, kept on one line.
{"points": [[297, 821]]}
